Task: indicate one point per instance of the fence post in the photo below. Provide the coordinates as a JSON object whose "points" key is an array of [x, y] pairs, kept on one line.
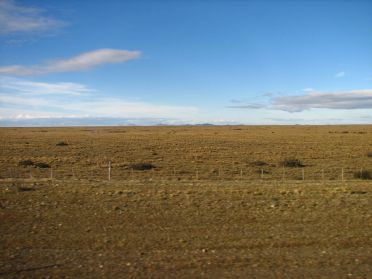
{"points": [[241, 173], [51, 173], [342, 174], [262, 174], [109, 171]]}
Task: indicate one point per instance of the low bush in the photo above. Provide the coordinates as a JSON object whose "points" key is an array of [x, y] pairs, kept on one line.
{"points": [[259, 163], [292, 163], [363, 174], [25, 163], [142, 166], [369, 154], [62, 143], [41, 165]]}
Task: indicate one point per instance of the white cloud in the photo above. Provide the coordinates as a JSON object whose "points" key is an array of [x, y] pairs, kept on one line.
{"points": [[340, 74], [21, 97], [15, 18], [308, 89], [342, 100], [43, 88], [355, 99], [80, 62]]}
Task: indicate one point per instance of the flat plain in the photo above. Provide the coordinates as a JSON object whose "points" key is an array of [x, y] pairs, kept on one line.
{"points": [[215, 202]]}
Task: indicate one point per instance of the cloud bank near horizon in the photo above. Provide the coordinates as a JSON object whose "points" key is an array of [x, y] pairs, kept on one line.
{"points": [[21, 98], [341, 100]]}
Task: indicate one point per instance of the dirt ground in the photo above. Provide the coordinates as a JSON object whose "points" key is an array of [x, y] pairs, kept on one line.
{"points": [[191, 222]]}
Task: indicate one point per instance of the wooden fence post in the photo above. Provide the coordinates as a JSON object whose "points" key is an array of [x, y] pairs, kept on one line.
{"points": [[109, 171]]}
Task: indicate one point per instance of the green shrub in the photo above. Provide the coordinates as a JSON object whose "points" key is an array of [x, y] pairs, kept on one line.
{"points": [[363, 174], [292, 163], [142, 166], [25, 163], [42, 165]]}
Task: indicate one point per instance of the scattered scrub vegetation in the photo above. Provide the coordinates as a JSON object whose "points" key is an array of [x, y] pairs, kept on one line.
{"points": [[363, 174], [25, 163], [142, 166], [292, 163], [62, 143], [259, 163], [42, 165]]}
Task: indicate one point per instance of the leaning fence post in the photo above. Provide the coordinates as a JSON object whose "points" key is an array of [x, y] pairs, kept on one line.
{"points": [[109, 171]]}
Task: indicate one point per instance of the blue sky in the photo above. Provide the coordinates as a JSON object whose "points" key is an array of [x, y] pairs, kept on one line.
{"points": [[249, 62]]}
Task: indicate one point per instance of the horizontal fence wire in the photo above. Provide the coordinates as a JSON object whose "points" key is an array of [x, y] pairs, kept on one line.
{"points": [[117, 172]]}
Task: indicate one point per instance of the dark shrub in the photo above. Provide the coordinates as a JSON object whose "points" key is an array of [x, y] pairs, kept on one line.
{"points": [[25, 188], [369, 154], [42, 165], [363, 174], [62, 143], [25, 163], [259, 163], [142, 166], [292, 163]]}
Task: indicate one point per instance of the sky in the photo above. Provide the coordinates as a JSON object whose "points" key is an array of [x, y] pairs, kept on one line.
{"points": [[185, 62]]}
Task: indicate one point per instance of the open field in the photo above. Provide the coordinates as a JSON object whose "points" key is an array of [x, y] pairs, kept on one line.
{"points": [[204, 211]]}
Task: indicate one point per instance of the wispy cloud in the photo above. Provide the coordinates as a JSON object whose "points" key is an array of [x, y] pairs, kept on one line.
{"points": [[308, 89], [241, 104], [43, 88], [20, 97], [16, 18], [80, 62], [356, 99], [342, 100], [340, 74]]}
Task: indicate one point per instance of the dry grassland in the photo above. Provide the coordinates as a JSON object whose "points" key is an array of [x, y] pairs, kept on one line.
{"points": [[202, 212]]}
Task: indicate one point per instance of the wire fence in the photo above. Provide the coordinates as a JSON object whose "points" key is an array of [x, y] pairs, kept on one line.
{"points": [[115, 172]]}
